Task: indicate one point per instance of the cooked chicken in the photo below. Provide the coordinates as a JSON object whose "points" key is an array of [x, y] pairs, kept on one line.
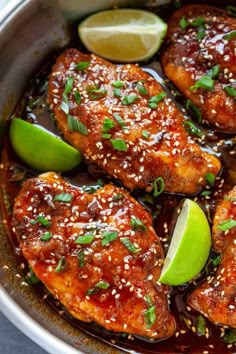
{"points": [[216, 298], [96, 253], [120, 119], [200, 38]]}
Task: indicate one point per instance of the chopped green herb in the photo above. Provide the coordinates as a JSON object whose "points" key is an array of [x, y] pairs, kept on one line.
{"points": [[145, 134], [117, 92], [31, 277], [130, 99], [230, 337], [158, 186], [90, 189], [77, 97], [204, 82], [148, 300], [82, 65], [231, 10], [192, 108], [230, 35], [118, 84], [201, 326], [81, 259], [43, 221], [85, 240], [191, 128], [118, 197], [206, 193], [226, 225], [198, 22], [153, 101], [61, 265], [107, 125], [183, 23], [119, 144], [95, 92], [106, 136], [201, 32], [230, 90], [63, 197], [136, 224], [68, 85], [231, 199], [130, 246], [76, 125], [150, 316], [214, 72], [216, 261], [102, 285], [46, 237], [210, 178], [119, 120], [109, 236], [142, 89], [64, 107]]}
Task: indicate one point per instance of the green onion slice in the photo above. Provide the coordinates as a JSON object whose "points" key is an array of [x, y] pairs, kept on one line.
{"points": [[158, 186], [227, 224], [130, 99], [85, 239], [107, 125], [63, 197], [230, 90], [192, 108], [108, 237], [61, 265], [46, 237], [130, 246], [76, 125], [43, 221], [119, 144], [82, 65], [137, 224]]}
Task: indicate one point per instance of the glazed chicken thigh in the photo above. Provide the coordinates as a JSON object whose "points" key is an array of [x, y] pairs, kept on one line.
{"points": [[216, 298], [121, 120], [96, 253], [200, 59]]}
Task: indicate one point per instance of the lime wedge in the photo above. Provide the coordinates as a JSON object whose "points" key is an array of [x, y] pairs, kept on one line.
{"points": [[190, 246], [123, 35], [41, 149]]}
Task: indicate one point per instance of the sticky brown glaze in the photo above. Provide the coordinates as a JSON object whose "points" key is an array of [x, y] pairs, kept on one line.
{"points": [[165, 151], [216, 298], [130, 276], [186, 59]]}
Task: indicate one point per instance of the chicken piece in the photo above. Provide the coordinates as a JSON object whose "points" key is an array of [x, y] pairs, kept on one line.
{"points": [[216, 298], [96, 253], [192, 52], [112, 115]]}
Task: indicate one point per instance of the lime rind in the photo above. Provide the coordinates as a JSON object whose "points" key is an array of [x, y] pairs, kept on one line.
{"points": [[120, 28], [40, 149], [189, 248]]}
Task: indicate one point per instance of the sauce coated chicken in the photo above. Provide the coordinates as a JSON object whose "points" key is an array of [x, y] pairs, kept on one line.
{"points": [[122, 121], [200, 59], [96, 253]]}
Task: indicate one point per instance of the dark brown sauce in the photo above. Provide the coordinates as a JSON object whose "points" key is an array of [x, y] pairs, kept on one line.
{"points": [[33, 107]]}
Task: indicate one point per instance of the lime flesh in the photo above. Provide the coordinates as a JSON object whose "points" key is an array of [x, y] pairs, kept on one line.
{"points": [[41, 149], [190, 246], [123, 35]]}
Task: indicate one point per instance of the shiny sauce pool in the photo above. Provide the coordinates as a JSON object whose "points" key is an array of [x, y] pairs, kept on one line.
{"points": [[188, 338]]}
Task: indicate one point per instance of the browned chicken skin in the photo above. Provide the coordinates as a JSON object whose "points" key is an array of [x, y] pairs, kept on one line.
{"points": [[110, 276], [151, 137], [186, 59], [216, 298]]}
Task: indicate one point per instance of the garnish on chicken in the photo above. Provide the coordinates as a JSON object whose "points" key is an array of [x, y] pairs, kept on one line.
{"points": [[96, 253], [200, 59], [120, 118]]}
